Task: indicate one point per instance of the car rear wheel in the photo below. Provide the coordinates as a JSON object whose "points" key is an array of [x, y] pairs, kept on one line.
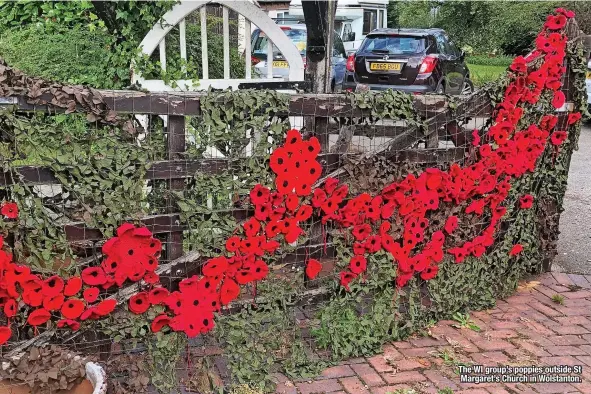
{"points": [[468, 87]]}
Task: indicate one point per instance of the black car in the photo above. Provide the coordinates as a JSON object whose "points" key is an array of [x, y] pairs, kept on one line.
{"points": [[411, 60]]}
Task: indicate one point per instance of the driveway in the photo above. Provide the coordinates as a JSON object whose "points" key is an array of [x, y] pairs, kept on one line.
{"points": [[574, 245]]}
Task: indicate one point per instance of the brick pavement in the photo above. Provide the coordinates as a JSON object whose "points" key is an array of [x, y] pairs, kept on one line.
{"points": [[526, 329]]}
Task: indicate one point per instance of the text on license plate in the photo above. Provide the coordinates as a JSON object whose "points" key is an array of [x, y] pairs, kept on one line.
{"points": [[280, 64], [385, 66], [588, 75]]}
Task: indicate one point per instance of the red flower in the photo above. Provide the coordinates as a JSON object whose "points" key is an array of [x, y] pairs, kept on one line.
{"points": [[548, 122], [53, 286], [292, 201], [139, 303], [358, 264], [229, 291], [358, 248], [558, 137], [105, 307], [451, 224], [215, 266], [346, 278], [526, 202], [9, 210], [519, 65], [574, 117], [5, 334], [259, 195], [262, 212], [10, 308], [430, 272], [403, 278], [94, 276], [72, 308], [313, 268], [38, 317], [151, 278], [567, 13], [285, 184], [174, 302], [475, 138], [278, 161], [311, 148], [160, 322], [73, 286], [252, 227], [91, 294], [304, 213], [71, 324], [53, 303], [158, 295], [555, 22], [361, 232], [233, 243], [330, 185], [515, 250], [318, 198], [558, 100]]}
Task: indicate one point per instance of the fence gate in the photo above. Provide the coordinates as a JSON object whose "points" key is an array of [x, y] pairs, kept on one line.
{"points": [[248, 14]]}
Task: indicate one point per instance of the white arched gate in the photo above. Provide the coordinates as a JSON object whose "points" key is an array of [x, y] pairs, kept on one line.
{"points": [[251, 14]]}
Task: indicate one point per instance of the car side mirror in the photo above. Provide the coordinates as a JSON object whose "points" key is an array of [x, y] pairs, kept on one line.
{"points": [[462, 55]]}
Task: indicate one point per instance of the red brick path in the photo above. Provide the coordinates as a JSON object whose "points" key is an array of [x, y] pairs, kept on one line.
{"points": [[526, 329]]}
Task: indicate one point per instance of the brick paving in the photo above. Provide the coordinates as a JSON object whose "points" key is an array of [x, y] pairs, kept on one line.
{"points": [[526, 329]]}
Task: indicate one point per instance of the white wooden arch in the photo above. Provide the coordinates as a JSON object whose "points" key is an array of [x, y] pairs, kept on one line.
{"points": [[251, 13]]}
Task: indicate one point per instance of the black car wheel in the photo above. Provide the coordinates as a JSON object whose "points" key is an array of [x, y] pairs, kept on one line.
{"points": [[468, 87]]}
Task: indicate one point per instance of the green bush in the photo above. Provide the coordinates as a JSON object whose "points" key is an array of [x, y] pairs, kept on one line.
{"points": [[66, 55]]}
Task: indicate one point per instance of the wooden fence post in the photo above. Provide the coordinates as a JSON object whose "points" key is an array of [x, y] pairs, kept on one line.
{"points": [[176, 145]]}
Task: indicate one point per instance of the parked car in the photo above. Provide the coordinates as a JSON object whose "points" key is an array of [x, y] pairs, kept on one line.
{"points": [[298, 35], [411, 60]]}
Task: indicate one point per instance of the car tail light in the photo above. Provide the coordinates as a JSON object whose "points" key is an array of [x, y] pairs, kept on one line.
{"points": [[428, 65], [305, 59], [285, 28], [254, 60], [351, 63]]}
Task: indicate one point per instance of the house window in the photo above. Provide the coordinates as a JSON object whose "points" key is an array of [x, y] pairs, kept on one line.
{"points": [[370, 20], [382, 21]]}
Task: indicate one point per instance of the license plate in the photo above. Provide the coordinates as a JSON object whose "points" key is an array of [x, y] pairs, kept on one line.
{"points": [[385, 66], [588, 74], [279, 64]]}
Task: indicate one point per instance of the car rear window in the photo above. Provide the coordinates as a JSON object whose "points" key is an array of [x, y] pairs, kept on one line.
{"points": [[297, 36], [394, 44]]}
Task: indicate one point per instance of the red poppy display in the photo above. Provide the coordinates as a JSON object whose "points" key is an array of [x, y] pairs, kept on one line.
{"points": [[507, 151]]}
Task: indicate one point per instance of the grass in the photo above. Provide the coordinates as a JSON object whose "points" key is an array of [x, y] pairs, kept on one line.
{"points": [[485, 69], [483, 74], [558, 299]]}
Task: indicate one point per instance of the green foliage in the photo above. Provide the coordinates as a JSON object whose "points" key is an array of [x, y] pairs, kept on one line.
{"points": [[69, 55], [258, 338], [507, 27], [164, 351], [50, 14]]}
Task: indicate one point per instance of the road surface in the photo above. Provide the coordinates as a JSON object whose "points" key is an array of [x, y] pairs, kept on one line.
{"points": [[574, 245]]}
